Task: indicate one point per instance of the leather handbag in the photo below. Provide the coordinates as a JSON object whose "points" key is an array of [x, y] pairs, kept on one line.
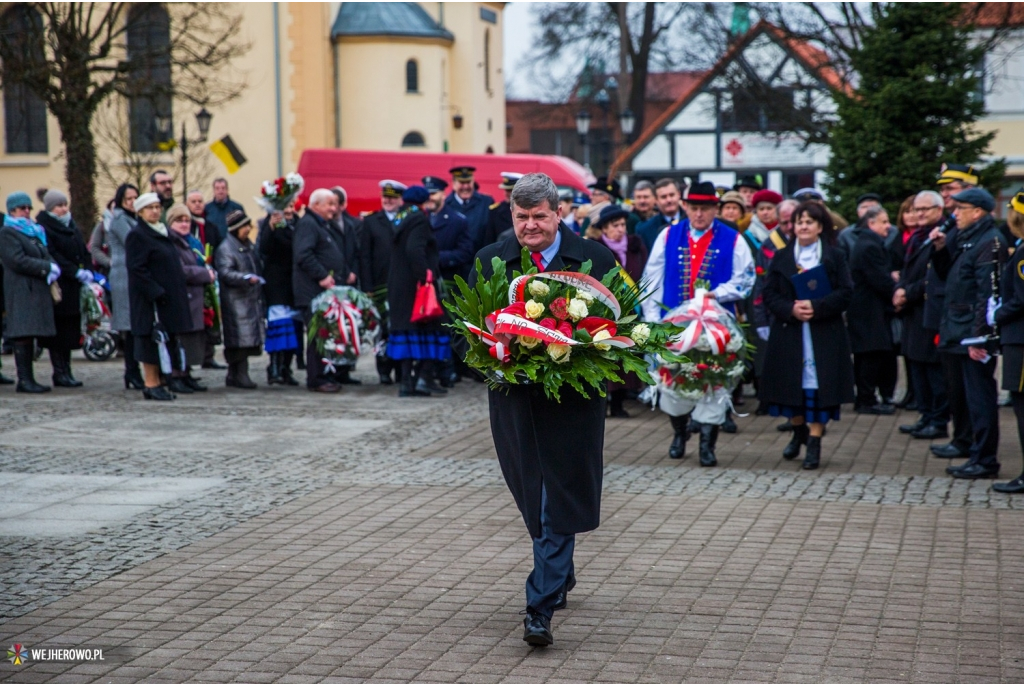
{"points": [[426, 307]]}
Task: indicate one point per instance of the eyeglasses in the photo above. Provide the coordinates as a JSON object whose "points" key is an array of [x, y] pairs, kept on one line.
{"points": [[25, 207]]}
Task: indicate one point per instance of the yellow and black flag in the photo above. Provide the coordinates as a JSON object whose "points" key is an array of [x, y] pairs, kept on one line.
{"points": [[228, 152]]}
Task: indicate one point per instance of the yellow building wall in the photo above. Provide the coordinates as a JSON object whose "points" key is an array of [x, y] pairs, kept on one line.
{"points": [[1008, 143]]}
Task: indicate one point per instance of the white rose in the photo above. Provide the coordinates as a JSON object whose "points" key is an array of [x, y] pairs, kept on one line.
{"points": [[585, 296], [735, 343], [577, 309], [559, 353], [602, 335], [534, 309], [527, 342], [538, 288], [640, 333]]}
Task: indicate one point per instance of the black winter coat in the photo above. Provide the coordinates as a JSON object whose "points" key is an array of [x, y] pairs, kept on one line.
{"points": [[1010, 316], [782, 378], [499, 220], [196, 279], [870, 312], [918, 342], [28, 303], [68, 249], [454, 243], [156, 282], [966, 262], [540, 441], [275, 246], [318, 250], [415, 251], [377, 239]]}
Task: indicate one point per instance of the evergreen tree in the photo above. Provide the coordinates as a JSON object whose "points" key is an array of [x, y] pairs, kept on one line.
{"points": [[913, 109]]}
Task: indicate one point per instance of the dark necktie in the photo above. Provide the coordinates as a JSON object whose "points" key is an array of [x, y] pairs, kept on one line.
{"points": [[538, 260]]}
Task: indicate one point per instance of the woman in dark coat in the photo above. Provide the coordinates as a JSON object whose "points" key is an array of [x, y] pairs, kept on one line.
{"points": [[1007, 312], [283, 339], [631, 254], [67, 247], [871, 312], [419, 347], [159, 295], [241, 300], [28, 272], [810, 374], [197, 276]]}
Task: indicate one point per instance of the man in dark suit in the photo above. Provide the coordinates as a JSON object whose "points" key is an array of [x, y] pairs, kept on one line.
{"points": [[554, 475], [470, 203], [378, 235]]}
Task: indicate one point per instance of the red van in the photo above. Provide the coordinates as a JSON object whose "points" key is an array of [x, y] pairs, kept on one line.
{"points": [[359, 171]]}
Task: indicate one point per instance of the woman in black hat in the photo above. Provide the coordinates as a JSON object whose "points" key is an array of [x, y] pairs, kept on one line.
{"points": [[241, 298], [631, 254]]}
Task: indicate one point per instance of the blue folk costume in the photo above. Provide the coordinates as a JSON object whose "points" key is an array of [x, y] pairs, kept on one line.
{"points": [[684, 270]]}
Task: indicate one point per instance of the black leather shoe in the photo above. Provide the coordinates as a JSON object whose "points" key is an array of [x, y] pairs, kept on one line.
{"points": [[345, 378], [729, 426], [66, 380], [910, 428], [800, 435], [884, 409], [31, 386], [537, 630], [971, 471], [178, 386], [385, 379], [288, 378], [562, 598], [1014, 486], [784, 427], [813, 456], [194, 384], [213, 364], [429, 388], [949, 451], [4, 380], [931, 433], [158, 393]]}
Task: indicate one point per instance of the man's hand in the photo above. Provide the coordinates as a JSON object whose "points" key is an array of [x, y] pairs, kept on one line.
{"points": [[938, 238], [978, 354], [327, 282], [351, 279], [899, 298], [895, 276], [802, 310], [711, 295]]}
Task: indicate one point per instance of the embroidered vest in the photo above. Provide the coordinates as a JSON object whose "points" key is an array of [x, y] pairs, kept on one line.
{"points": [[681, 271]]}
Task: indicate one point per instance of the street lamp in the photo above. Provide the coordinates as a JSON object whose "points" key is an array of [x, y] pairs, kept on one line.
{"points": [[627, 120], [604, 102], [582, 128], [163, 127]]}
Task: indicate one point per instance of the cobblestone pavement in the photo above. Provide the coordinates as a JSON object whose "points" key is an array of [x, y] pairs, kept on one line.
{"points": [[362, 537]]}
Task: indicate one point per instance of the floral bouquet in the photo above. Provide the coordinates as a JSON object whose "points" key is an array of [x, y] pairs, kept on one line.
{"points": [[716, 352], [556, 328], [275, 195], [344, 319], [93, 308]]}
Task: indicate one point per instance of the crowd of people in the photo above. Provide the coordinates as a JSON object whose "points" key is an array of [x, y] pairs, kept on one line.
{"points": [[184, 278]]}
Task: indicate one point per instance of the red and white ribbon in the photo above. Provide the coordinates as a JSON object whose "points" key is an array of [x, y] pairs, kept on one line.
{"points": [[702, 317], [348, 318], [582, 282]]}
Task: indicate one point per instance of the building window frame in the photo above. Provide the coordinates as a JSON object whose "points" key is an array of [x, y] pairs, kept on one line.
{"points": [[149, 41], [412, 76], [25, 112], [413, 139]]}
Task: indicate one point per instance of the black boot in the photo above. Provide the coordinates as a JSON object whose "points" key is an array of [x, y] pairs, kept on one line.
{"points": [[799, 439], [426, 383], [194, 383], [274, 370], [384, 370], [61, 361], [132, 375], [286, 368], [179, 386], [680, 424], [616, 411], [729, 426], [407, 385], [708, 438], [242, 379], [813, 456], [24, 355]]}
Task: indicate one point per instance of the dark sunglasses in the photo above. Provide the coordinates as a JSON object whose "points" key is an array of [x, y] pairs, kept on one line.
{"points": [[28, 207]]}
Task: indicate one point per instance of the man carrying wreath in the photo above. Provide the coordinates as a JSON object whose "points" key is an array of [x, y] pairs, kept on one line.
{"points": [[698, 248], [551, 452]]}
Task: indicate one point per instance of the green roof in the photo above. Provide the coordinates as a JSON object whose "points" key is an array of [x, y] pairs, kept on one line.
{"points": [[404, 19]]}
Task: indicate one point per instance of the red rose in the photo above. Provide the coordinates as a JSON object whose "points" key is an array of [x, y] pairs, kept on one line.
{"points": [[548, 322], [759, 270], [323, 333], [565, 328], [731, 358], [560, 308]]}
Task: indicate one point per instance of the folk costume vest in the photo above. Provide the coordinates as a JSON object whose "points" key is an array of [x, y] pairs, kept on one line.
{"points": [[687, 260]]}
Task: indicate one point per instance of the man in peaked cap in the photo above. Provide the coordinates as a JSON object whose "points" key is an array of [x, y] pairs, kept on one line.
{"points": [[955, 178], [499, 220], [377, 237], [605, 190], [747, 186], [466, 200], [697, 247]]}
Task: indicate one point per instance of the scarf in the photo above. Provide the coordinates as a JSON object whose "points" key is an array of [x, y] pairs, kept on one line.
{"points": [[158, 228], [618, 247], [757, 230], [65, 219], [26, 226]]}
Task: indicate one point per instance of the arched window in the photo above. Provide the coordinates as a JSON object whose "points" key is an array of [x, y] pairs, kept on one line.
{"points": [[487, 60], [149, 58], [412, 77], [24, 111], [413, 139]]}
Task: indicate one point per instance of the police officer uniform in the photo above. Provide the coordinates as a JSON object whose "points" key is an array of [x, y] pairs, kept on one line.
{"points": [[476, 209], [499, 221], [376, 240]]}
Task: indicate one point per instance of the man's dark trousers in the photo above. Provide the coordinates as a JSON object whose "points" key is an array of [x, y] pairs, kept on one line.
{"points": [[315, 376], [929, 385], [552, 564], [952, 368], [983, 403]]}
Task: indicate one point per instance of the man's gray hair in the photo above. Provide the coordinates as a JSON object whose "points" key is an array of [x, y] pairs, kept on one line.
{"points": [[872, 214], [194, 191], [320, 195], [643, 185], [533, 189], [788, 203], [931, 195]]}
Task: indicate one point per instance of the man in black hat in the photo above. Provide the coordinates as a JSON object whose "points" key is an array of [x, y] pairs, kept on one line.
{"points": [[467, 201], [499, 220], [966, 260], [698, 247], [746, 186], [378, 235]]}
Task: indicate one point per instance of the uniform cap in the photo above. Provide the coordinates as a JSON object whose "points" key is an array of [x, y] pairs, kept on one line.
{"points": [[415, 195], [508, 179], [389, 188], [462, 173], [434, 184], [748, 182], [957, 172]]}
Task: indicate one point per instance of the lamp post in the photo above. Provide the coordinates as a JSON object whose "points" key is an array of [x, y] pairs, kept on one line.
{"points": [[163, 127], [604, 102], [627, 120], [582, 128]]}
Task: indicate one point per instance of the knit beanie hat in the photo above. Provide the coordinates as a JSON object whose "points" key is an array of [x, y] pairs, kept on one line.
{"points": [[52, 198]]}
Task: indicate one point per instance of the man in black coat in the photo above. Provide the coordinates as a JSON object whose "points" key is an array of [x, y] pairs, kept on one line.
{"points": [[967, 260], [318, 261], [913, 300], [870, 312], [375, 243], [470, 203], [554, 473], [499, 219]]}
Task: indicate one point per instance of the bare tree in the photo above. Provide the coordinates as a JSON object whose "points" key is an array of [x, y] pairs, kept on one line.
{"points": [[75, 56]]}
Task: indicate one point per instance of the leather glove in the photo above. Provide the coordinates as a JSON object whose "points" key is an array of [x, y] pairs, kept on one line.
{"points": [[763, 331], [84, 276], [54, 274], [994, 303]]}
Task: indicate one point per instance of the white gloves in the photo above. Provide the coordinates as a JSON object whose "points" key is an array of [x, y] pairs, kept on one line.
{"points": [[84, 276], [994, 303], [54, 274], [259, 279], [763, 331]]}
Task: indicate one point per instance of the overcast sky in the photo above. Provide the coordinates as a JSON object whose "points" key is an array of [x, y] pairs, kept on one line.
{"points": [[519, 32]]}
